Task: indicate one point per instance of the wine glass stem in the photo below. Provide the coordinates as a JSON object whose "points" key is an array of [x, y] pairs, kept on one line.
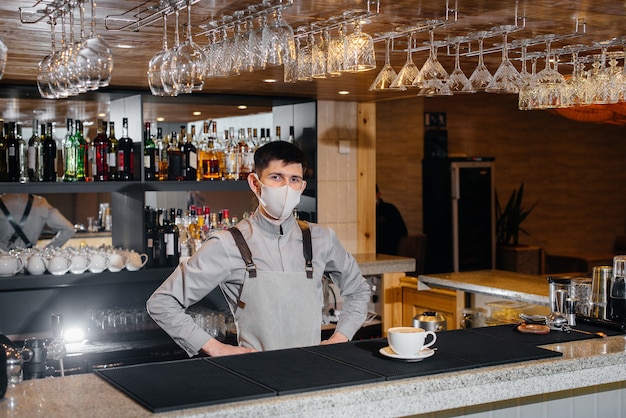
{"points": [[176, 39], [164, 31], [548, 52], [457, 58], [189, 20], [387, 41]]}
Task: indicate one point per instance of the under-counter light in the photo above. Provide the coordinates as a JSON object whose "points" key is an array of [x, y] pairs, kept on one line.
{"points": [[343, 92], [242, 107], [160, 119]]}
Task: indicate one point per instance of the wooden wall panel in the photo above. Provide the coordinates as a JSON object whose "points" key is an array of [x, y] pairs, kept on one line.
{"points": [[576, 170]]}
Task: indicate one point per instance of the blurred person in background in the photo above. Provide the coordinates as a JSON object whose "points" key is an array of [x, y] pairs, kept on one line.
{"points": [[390, 226], [23, 218]]}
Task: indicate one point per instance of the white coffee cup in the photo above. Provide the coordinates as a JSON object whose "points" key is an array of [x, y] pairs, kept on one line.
{"points": [[10, 265], [408, 341]]}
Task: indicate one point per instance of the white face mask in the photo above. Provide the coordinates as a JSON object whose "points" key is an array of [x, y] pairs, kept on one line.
{"points": [[278, 202]]}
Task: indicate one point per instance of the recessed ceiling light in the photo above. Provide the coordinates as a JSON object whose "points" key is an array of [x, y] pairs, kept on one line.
{"points": [[343, 92], [242, 107], [197, 113], [124, 46], [269, 80], [160, 119], [102, 115]]}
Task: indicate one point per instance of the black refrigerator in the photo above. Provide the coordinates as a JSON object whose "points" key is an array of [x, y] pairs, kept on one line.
{"points": [[459, 214]]}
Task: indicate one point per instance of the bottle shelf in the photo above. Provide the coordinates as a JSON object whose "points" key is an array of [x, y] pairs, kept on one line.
{"points": [[123, 186]]}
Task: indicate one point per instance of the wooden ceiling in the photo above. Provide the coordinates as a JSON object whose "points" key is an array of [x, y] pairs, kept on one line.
{"points": [[28, 43]]}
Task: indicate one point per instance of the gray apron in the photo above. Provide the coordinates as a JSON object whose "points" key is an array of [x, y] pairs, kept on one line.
{"points": [[278, 309]]}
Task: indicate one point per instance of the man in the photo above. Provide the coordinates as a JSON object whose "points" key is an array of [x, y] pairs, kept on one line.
{"points": [[390, 226], [23, 217], [276, 293]]}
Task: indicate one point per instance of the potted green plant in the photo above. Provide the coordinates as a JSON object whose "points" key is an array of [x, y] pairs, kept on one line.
{"points": [[510, 254]]}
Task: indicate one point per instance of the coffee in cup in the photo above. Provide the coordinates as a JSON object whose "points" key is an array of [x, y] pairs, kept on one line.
{"points": [[408, 341]]}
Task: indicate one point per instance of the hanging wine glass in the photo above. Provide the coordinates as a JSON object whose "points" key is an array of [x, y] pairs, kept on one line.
{"points": [[458, 81], [336, 47], [481, 77], [359, 54], [168, 66], [3, 56], [433, 78], [409, 72], [506, 79], [58, 77], [156, 62], [387, 74], [104, 61], [189, 61], [549, 82], [304, 59], [43, 74], [319, 56]]}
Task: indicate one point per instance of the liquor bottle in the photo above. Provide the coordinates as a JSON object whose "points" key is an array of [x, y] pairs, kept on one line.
{"points": [[112, 158], [255, 138], [245, 157], [151, 236], [213, 162], [277, 138], [203, 151], [70, 150], [23, 147], [34, 154], [60, 161], [49, 152], [161, 150], [101, 146], [13, 154], [262, 138], [175, 160], [190, 158], [169, 253], [4, 170], [291, 137], [125, 155], [82, 151], [230, 156], [149, 155]]}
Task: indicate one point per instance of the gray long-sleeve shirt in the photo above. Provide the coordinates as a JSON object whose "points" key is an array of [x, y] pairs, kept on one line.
{"points": [[41, 214], [274, 248]]}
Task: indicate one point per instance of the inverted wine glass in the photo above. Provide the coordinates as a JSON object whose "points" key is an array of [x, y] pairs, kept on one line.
{"points": [[458, 81], [409, 72], [387, 74], [506, 78], [433, 77], [481, 77], [156, 62]]}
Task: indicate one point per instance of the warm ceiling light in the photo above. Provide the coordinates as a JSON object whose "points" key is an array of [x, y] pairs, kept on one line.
{"points": [[124, 46], [269, 80], [343, 92], [196, 113], [160, 119], [242, 107], [102, 115]]}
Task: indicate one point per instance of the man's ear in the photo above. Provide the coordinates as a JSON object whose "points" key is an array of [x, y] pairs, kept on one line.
{"points": [[253, 182]]}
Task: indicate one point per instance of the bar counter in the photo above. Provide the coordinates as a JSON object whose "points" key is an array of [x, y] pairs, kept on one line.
{"points": [[591, 367]]}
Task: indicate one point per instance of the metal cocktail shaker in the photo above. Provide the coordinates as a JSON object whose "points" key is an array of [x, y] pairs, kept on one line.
{"points": [[560, 292], [600, 281]]}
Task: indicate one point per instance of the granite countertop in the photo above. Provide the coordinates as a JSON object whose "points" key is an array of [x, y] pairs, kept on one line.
{"points": [[373, 264], [584, 363], [520, 287]]}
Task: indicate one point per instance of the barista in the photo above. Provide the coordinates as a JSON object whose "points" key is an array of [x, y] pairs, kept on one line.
{"points": [[23, 217], [269, 268]]}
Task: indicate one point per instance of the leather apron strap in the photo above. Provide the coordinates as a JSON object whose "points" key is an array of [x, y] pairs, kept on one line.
{"points": [[19, 232]]}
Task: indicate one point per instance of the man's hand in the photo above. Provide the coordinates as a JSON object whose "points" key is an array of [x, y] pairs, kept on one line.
{"points": [[336, 338], [215, 348]]}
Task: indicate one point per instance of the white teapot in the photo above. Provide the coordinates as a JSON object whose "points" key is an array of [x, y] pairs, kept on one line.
{"points": [[117, 261], [10, 265], [99, 262], [79, 263], [136, 260], [58, 264], [36, 264]]}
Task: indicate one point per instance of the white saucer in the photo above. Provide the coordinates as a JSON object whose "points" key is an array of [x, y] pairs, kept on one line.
{"points": [[425, 353]]}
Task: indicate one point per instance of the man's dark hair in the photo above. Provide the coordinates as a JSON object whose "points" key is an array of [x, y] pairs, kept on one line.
{"points": [[278, 150]]}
